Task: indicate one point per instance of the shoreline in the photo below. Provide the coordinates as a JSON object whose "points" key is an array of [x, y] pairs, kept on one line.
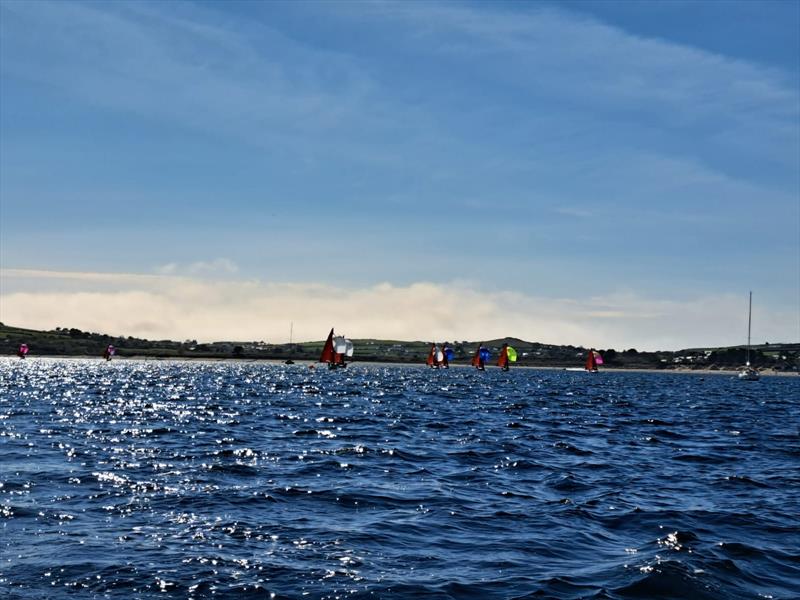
{"points": [[308, 363]]}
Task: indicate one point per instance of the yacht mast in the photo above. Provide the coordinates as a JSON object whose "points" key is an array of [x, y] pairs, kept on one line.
{"points": [[749, 316]]}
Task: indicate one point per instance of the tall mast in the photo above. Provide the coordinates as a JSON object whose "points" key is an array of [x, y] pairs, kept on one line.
{"points": [[749, 317]]}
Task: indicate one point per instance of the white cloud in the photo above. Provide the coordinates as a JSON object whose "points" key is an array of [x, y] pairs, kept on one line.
{"points": [[217, 266], [183, 307], [167, 269]]}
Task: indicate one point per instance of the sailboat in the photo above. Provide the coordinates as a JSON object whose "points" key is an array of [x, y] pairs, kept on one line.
{"points": [[448, 354], [507, 356], [749, 373], [480, 358], [335, 350], [440, 357], [593, 360], [109, 352], [435, 357], [22, 351]]}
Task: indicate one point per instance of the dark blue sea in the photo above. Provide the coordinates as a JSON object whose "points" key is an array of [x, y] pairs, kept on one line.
{"points": [[157, 479]]}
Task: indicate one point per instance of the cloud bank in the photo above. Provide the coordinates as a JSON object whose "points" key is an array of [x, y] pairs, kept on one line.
{"points": [[173, 307]]}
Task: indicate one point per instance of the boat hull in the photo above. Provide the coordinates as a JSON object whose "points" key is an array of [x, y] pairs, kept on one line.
{"points": [[749, 375]]}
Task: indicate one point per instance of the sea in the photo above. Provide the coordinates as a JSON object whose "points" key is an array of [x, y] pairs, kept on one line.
{"points": [[165, 479]]}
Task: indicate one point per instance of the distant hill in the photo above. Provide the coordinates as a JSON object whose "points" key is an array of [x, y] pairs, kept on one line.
{"points": [[74, 342]]}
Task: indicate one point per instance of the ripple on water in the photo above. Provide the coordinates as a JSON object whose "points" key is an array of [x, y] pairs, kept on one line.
{"points": [[136, 479]]}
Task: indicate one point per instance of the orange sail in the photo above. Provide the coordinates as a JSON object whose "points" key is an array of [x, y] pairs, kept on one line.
{"points": [[328, 355], [476, 360], [503, 360], [591, 361]]}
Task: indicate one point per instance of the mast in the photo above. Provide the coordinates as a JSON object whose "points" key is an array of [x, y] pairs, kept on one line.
{"points": [[749, 318]]}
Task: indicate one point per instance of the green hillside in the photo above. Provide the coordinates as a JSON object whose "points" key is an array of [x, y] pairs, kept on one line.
{"points": [[74, 342]]}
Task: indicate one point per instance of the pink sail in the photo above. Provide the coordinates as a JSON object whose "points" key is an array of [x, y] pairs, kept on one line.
{"points": [[593, 358]]}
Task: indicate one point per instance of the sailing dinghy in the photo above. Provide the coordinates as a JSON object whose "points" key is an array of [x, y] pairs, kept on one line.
{"points": [[480, 358], [593, 359], [335, 350], [507, 356], [435, 357]]}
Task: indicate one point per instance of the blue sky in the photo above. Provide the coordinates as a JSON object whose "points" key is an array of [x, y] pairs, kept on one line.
{"points": [[564, 152]]}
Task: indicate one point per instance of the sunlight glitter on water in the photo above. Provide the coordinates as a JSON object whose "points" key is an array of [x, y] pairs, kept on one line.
{"points": [[139, 479]]}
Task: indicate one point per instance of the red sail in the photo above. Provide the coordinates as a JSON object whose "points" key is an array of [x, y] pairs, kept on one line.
{"points": [[476, 360], [503, 360], [591, 363], [431, 361], [327, 350]]}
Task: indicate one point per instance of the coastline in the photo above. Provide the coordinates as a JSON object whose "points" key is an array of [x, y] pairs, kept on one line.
{"points": [[310, 363]]}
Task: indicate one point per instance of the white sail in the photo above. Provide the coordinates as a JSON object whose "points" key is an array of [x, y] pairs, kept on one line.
{"points": [[439, 355], [339, 344], [348, 348]]}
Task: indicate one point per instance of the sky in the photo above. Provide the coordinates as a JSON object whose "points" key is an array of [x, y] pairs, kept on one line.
{"points": [[607, 174]]}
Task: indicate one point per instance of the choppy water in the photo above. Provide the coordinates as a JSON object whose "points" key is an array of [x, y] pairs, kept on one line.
{"points": [[245, 480]]}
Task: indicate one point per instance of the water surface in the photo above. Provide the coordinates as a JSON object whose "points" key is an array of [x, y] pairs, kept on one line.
{"points": [[248, 480]]}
